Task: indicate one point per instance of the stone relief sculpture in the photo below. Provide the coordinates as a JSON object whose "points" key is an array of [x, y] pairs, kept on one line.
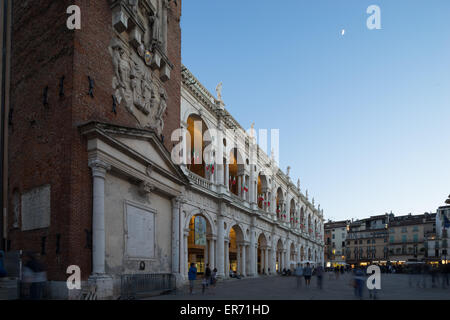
{"points": [[154, 25], [135, 86], [133, 5]]}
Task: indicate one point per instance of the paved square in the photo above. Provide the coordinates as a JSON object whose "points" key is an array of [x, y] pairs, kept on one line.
{"points": [[393, 287]]}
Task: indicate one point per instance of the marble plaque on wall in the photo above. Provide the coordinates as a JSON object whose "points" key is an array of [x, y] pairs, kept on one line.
{"points": [[36, 208], [140, 238]]}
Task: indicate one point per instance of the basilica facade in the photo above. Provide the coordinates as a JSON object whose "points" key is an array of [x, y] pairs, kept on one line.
{"points": [[242, 214]]}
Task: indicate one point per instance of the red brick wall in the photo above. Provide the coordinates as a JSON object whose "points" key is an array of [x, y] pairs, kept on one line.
{"points": [[39, 140], [53, 151]]}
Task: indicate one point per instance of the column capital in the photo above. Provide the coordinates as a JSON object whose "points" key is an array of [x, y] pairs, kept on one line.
{"points": [[99, 167], [177, 202]]}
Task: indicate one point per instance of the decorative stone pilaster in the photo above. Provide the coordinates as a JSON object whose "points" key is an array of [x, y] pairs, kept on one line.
{"points": [[176, 206], [102, 281], [220, 243]]}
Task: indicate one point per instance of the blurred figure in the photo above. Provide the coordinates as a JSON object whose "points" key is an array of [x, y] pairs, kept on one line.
{"points": [[445, 276], [206, 278], [214, 277], [192, 276], [307, 272], [319, 274], [3, 272], [299, 275], [36, 274], [434, 276], [336, 272], [424, 271], [358, 283]]}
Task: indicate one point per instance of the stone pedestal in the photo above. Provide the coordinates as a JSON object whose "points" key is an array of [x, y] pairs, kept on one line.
{"points": [[104, 286]]}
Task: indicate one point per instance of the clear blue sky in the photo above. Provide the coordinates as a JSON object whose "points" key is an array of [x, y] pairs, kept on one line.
{"points": [[364, 118]]}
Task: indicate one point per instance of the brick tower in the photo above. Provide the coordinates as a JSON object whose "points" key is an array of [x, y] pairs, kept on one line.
{"points": [[123, 67]]}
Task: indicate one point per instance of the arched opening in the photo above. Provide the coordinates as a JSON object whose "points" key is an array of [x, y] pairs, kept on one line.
{"points": [[279, 257], [309, 225], [292, 216], [236, 176], [236, 256], [263, 255], [315, 228], [293, 257], [198, 139], [263, 193], [302, 219], [302, 253], [199, 229], [309, 254], [281, 210]]}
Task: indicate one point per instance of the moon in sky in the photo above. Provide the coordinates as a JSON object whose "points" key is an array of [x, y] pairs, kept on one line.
{"points": [[342, 32]]}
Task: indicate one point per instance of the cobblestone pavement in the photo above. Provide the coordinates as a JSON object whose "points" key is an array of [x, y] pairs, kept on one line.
{"points": [[393, 287]]}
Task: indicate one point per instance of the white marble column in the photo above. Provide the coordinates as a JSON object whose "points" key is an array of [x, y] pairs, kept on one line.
{"points": [[227, 176], [266, 261], [99, 169], [252, 252], [176, 205], [211, 254], [238, 258], [239, 187], [220, 247], [227, 258], [244, 261], [273, 267], [186, 252]]}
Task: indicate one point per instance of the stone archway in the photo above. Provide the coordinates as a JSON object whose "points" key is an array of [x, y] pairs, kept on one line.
{"points": [[237, 250], [200, 244], [280, 264], [197, 140], [292, 257], [263, 266], [263, 192]]}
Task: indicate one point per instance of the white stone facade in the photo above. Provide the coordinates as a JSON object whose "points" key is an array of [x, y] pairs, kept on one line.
{"points": [[281, 236], [143, 205]]}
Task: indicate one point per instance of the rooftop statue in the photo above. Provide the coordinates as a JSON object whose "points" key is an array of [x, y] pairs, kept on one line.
{"points": [[219, 92]]}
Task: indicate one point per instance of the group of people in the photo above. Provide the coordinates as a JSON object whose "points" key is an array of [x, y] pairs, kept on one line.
{"points": [[209, 278], [420, 274], [306, 273], [34, 275]]}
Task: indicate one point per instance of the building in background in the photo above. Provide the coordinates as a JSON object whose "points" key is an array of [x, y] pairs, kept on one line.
{"points": [[335, 242], [436, 242], [407, 237], [367, 241]]}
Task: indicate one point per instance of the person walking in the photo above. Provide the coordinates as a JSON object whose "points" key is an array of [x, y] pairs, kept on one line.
{"points": [[319, 274], [192, 276], [358, 283], [38, 277], [307, 272], [213, 277], [206, 278], [299, 275]]}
